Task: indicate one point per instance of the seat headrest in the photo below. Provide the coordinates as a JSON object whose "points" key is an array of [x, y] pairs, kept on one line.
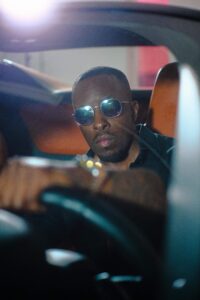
{"points": [[164, 100]]}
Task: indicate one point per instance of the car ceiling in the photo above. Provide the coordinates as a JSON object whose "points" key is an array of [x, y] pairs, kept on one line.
{"points": [[77, 25]]}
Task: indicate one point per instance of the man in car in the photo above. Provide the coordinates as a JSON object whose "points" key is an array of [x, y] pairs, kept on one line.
{"points": [[106, 114]]}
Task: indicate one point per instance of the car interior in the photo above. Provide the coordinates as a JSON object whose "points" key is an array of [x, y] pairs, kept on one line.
{"points": [[48, 130], [88, 245], [46, 125]]}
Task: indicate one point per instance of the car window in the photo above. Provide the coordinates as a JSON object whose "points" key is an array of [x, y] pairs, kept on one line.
{"points": [[140, 64]]}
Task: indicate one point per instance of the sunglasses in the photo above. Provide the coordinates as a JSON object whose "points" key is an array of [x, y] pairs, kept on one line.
{"points": [[110, 108]]}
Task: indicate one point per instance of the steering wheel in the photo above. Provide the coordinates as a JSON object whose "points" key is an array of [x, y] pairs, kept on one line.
{"points": [[101, 212], [96, 211]]}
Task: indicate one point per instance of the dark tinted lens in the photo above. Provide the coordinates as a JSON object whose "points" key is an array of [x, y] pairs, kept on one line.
{"points": [[84, 115], [111, 107]]}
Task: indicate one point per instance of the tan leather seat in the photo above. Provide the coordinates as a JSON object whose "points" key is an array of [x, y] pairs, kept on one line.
{"points": [[53, 129], [164, 99]]}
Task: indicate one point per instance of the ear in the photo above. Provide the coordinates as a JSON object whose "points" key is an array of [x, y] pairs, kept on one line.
{"points": [[135, 109]]}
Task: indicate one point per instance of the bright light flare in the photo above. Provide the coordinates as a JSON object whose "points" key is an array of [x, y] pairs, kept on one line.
{"points": [[27, 11]]}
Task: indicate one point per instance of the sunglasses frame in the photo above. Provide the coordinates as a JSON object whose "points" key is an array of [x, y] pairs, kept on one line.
{"points": [[99, 107]]}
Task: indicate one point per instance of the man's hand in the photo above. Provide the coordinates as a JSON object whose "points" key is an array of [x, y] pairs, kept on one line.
{"points": [[23, 179]]}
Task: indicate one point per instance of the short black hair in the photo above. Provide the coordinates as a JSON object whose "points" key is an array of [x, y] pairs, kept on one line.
{"points": [[102, 70]]}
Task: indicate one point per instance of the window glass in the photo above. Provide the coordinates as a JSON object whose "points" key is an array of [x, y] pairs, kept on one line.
{"points": [[140, 64]]}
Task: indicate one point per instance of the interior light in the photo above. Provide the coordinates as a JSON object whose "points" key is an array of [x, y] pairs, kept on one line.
{"points": [[23, 11]]}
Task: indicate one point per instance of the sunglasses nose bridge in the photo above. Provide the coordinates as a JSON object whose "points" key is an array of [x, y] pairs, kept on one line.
{"points": [[100, 120]]}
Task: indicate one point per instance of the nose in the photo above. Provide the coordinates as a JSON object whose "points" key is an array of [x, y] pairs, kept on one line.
{"points": [[100, 121]]}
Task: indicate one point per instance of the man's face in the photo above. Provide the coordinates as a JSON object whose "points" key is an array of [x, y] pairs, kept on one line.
{"points": [[109, 138]]}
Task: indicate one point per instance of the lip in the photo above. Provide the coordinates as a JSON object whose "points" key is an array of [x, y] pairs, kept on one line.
{"points": [[104, 140]]}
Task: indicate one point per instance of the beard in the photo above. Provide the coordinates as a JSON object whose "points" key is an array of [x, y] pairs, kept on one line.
{"points": [[115, 156]]}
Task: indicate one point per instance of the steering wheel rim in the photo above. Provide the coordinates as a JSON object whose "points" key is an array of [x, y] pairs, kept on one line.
{"points": [[133, 244]]}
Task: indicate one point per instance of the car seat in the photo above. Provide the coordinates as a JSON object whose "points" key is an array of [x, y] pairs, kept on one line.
{"points": [[53, 129], [163, 102]]}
